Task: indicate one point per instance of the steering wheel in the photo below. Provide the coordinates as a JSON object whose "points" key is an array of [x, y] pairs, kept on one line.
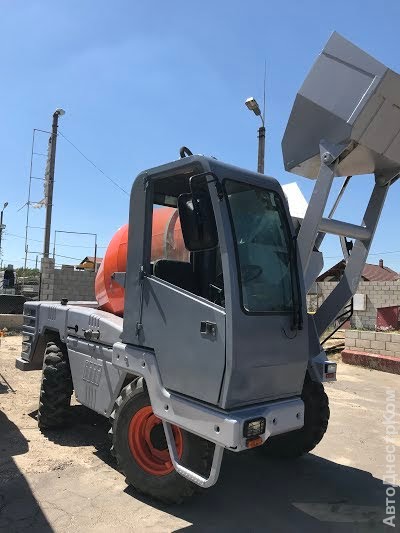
{"points": [[250, 272]]}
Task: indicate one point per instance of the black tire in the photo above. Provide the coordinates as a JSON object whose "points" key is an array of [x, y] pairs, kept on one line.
{"points": [[316, 417], [56, 387], [168, 488]]}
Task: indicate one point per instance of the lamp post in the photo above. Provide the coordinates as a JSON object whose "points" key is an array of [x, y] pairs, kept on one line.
{"points": [[1, 224], [252, 105], [50, 179]]}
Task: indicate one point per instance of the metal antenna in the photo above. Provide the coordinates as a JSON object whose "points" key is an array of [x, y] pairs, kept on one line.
{"points": [[265, 81]]}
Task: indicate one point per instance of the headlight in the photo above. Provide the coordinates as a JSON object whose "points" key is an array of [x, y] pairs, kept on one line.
{"points": [[330, 370], [254, 428]]}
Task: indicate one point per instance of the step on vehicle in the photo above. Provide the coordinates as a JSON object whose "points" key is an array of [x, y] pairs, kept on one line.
{"points": [[200, 340]]}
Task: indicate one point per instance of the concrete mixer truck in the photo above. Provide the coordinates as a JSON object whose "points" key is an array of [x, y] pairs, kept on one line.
{"points": [[200, 340]]}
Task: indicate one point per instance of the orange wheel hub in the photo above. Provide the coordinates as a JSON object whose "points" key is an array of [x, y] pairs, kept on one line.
{"points": [[148, 443]]}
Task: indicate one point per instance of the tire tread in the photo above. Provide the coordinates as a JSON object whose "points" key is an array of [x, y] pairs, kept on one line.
{"points": [[56, 387], [180, 488], [296, 443]]}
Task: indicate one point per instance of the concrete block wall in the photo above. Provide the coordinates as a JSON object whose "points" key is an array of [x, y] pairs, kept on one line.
{"points": [[373, 342], [47, 279], [66, 283], [378, 294]]}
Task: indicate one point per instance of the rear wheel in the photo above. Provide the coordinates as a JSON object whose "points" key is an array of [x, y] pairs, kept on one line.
{"points": [[56, 387], [140, 447], [316, 417]]}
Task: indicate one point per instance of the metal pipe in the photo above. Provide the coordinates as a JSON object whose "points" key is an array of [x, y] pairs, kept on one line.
{"points": [[339, 196], [321, 236], [347, 286], [261, 149], [1, 228], [344, 229], [95, 254], [75, 233], [28, 203], [54, 244]]}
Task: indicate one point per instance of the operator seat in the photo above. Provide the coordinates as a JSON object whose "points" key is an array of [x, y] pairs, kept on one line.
{"points": [[179, 273]]}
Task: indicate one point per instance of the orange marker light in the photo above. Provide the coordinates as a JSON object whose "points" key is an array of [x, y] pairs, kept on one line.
{"points": [[252, 443]]}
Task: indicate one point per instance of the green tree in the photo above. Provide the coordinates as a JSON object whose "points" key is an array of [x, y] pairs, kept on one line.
{"points": [[27, 271]]}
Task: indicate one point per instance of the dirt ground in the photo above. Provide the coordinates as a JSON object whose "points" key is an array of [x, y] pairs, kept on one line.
{"points": [[67, 481]]}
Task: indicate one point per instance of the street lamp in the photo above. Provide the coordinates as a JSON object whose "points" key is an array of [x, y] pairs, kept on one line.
{"points": [[2, 226], [252, 105]]}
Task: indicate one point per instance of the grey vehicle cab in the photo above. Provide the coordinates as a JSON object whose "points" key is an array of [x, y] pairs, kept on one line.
{"points": [[241, 286]]}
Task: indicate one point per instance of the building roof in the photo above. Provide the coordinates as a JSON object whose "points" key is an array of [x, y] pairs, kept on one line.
{"points": [[87, 261], [379, 273], [370, 272], [90, 259]]}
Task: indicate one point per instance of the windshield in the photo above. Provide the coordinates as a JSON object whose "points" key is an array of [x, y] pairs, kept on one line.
{"points": [[263, 247]]}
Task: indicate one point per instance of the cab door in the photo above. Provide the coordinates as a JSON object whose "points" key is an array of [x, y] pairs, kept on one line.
{"points": [[268, 348], [185, 329], [187, 333]]}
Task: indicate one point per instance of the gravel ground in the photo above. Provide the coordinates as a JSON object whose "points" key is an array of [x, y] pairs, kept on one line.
{"points": [[67, 481]]}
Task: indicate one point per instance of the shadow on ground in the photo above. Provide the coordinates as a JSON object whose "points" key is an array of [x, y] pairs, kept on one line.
{"points": [[84, 428], [5, 387], [19, 510], [254, 493], [309, 495]]}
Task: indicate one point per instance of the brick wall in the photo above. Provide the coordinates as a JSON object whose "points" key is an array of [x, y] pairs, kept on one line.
{"points": [[378, 294], [66, 283], [373, 342]]}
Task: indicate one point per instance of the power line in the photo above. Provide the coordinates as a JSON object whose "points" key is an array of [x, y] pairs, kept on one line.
{"points": [[57, 255], [374, 253], [38, 240], [385, 253], [94, 164]]}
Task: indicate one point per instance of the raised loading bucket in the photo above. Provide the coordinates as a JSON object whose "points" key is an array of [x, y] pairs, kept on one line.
{"points": [[347, 98]]}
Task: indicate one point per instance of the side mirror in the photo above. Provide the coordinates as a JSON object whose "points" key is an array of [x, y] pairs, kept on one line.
{"points": [[197, 221]]}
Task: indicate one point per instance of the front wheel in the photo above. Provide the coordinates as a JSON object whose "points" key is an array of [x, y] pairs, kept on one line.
{"points": [[140, 447], [316, 417]]}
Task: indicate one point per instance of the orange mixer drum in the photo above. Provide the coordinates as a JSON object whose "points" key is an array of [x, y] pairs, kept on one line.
{"points": [[167, 243]]}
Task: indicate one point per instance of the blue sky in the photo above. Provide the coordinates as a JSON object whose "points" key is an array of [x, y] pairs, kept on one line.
{"points": [[140, 79]]}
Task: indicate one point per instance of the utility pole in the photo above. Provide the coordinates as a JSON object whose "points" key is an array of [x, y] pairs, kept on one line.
{"points": [[49, 184], [1, 224]]}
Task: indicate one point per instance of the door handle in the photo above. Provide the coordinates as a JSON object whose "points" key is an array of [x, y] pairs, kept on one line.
{"points": [[208, 328]]}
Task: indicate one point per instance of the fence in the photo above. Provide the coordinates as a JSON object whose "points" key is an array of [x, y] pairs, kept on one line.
{"points": [[378, 295]]}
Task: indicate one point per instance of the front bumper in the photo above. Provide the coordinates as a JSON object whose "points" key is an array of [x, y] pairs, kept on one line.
{"points": [[224, 428]]}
